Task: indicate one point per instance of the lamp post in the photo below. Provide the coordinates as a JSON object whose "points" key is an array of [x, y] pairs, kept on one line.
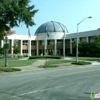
{"points": [[6, 51], [78, 37]]}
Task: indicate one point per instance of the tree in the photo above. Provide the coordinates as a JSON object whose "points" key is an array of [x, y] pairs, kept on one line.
{"points": [[1, 50], [83, 48], [16, 49], [14, 12], [97, 44], [89, 49]]}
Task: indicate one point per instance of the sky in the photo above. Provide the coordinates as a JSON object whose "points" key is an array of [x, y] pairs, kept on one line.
{"points": [[67, 12]]}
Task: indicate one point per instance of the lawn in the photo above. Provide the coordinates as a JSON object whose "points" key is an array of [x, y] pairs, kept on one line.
{"points": [[57, 61], [89, 58], [16, 62], [50, 63], [72, 61]]}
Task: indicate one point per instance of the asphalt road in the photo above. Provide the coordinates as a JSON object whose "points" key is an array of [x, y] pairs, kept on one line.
{"points": [[51, 84]]}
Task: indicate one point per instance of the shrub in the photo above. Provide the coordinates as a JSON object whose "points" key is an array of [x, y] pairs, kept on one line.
{"points": [[81, 63], [48, 66], [44, 57], [20, 56], [6, 69]]}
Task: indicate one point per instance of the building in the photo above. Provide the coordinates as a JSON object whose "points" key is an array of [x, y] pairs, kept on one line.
{"points": [[51, 38]]}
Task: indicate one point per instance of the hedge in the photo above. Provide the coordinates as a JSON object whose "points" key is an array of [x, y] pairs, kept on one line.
{"points": [[44, 57], [81, 63], [7, 69]]}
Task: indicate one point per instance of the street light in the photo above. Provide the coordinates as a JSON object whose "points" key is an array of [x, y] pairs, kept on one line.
{"points": [[77, 37], [6, 46]]}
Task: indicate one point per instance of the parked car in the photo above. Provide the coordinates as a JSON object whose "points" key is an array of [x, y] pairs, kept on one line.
{"points": [[1, 56]]}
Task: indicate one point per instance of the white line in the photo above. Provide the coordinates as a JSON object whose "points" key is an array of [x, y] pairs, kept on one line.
{"points": [[41, 90], [13, 96], [35, 91]]}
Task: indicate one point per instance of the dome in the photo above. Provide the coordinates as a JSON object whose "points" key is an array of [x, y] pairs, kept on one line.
{"points": [[51, 26]]}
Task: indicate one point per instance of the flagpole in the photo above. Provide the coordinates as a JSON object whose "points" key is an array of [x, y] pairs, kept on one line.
{"points": [[46, 46], [46, 42], [64, 44], [47, 35], [29, 46], [37, 51], [28, 41]]}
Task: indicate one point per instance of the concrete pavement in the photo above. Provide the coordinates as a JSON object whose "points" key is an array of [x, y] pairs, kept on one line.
{"points": [[33, 66]]}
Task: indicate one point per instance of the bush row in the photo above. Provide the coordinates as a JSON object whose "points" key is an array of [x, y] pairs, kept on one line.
{"points": [[7, 69], [44, 57], [81, 63]]}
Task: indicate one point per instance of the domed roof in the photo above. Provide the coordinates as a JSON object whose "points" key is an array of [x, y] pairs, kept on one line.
{"points": [[51, 26]]}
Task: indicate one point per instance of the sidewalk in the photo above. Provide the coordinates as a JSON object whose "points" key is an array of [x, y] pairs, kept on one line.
{"points": [[33, 66], [95, 63]]}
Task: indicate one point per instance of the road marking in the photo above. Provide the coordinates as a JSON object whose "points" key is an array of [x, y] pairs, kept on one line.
{"points": [[41, 90], [36, 91], [63, 74]]}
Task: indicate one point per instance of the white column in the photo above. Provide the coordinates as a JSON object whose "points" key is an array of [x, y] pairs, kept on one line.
{"points": [[45, 47], [29, 47], [37, 47], [21, 45], [87, 39], [2, 43], [12, 44], [70, 46], [55, 47], [78, 39], [64, 47]]}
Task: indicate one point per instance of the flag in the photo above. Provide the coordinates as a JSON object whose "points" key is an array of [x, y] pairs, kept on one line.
{"points": [[48, 33], [64, 33], [29, 34]]}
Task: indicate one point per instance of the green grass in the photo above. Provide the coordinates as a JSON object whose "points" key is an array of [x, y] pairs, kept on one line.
{"points": [[2, 59], [57, 61], [15, 62], [89, 58], [7, 69], [52, 62]]}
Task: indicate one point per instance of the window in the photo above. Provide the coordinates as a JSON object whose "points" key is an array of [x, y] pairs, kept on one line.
{"points": [[25, 42], [41, 42], [59, 41], [33, 43], [50, 42]]}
